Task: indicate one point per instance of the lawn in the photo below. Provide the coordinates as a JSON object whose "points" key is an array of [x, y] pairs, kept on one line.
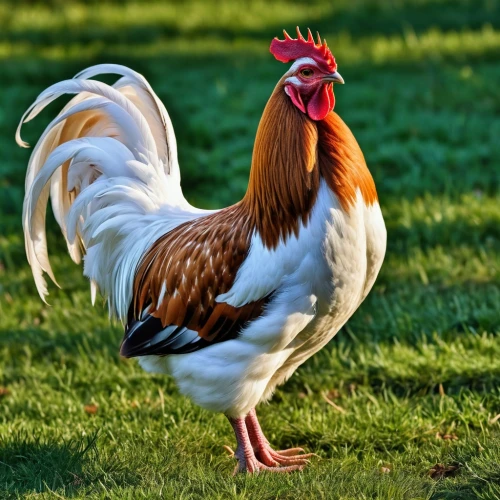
{"points": [[405, 401]]}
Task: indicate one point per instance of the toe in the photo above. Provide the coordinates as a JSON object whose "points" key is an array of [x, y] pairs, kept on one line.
{"points": [[280, 456], [264, 455], [291, 451]]}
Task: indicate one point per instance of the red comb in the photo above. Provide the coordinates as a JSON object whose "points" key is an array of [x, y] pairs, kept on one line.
{"points": [[291, 49]]}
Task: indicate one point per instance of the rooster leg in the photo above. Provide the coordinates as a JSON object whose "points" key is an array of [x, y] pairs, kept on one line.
{"points": [[245, 454], [264, 452]]}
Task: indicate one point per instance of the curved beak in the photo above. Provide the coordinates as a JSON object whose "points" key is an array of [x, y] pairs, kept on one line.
{"points": [[334, 78]]}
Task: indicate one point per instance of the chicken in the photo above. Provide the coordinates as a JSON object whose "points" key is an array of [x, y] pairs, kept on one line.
{"points": [[229, 302]]}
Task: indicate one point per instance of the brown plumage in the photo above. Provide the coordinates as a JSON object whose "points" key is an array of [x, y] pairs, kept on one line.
{"points": [[185, 270], [197, 261], [342, 163], [284, 180]]}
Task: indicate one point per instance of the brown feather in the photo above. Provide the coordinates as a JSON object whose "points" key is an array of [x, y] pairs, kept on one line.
{"points": [[283, 180], [197, 261], [342, 164]]}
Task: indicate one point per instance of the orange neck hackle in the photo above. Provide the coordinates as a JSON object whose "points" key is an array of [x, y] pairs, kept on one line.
{"points": [[291, 155], [283, 179]]}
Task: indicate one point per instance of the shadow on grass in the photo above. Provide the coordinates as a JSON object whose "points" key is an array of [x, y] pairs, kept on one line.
{"points": [[392, 18], [29, 465], [59, 347]]}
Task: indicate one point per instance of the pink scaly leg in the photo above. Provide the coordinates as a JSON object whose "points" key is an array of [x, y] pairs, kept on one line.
{"points": [[247, 461], [264, 452]]}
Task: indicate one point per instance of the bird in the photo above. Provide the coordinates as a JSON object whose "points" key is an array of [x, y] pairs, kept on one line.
{"points": [[228, 302]]}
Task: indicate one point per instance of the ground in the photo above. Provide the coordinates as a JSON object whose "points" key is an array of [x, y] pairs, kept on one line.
{"points": [[405, 401]]}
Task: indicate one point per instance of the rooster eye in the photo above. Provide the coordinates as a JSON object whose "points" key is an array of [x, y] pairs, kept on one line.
{"points": [[307, 72]]}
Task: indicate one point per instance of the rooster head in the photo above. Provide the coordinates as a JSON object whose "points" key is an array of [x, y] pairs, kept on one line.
{"points": [[309, 81]]}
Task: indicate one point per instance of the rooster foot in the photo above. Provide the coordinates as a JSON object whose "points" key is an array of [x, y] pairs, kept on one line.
{"points": [[254, 459], [254, 453], [266, 454]]}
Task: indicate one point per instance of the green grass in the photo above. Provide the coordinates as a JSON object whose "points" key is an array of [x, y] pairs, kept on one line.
{"points": [[420, 359]]}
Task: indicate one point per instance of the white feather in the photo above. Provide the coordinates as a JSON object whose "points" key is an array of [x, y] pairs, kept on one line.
{"points": [[109, 164], [138, 90]]}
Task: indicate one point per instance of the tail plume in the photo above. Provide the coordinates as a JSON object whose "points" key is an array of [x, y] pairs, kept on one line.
{"points": [[109, 164]]}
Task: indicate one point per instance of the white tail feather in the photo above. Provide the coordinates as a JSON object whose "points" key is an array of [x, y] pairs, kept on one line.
{"points": [[109, 164], [137, 89]]}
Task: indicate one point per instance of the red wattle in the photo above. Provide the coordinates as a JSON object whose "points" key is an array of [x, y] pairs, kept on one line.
{"points": [[295, 97], [321, 103], [331, 95]]}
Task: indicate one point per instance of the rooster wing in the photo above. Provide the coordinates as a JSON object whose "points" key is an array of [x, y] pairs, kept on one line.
{"points": [[175, 308]]}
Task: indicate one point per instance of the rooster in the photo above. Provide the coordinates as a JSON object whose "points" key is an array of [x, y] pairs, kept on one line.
{"points": [[229, 302]]}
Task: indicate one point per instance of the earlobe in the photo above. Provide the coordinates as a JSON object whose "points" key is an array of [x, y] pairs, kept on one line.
{"points": [[294, 95]]}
